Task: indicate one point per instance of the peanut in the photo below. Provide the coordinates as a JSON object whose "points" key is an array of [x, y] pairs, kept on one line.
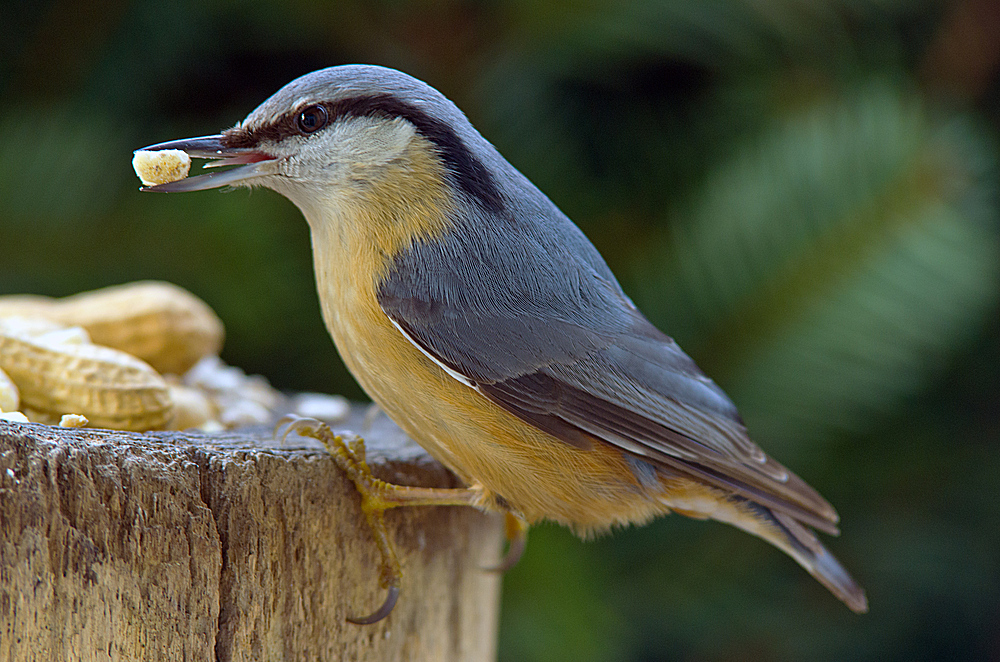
{"points": [[73, 421], [110, 388], [162, 324], [325, 407], [160, 167], [10, 398], [192, 407], [238, 399]]}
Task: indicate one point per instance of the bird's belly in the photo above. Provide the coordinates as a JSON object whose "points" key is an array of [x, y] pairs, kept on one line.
{"points": [[532, 472]]}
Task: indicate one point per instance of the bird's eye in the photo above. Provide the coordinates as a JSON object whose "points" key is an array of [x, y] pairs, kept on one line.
{"points": [[312, 119]]}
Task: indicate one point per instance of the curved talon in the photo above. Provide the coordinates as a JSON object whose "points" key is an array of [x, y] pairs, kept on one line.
{"points": [[513, 555], [298, 424], [517, 536], [287, 422], [381, 612], [287, 419]]}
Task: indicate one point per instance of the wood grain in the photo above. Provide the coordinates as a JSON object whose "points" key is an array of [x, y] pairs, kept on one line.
{"points": [[181, 546]]}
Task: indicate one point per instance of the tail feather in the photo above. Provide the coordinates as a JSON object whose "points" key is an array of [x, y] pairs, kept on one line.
{"points": [[791, 537], [802, 545], [780, 529]]}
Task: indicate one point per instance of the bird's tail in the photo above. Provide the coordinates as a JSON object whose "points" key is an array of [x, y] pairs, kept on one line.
{"points": [[796, 540]]}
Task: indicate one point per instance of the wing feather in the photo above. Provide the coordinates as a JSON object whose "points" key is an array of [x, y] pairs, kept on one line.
{"points": [[563, 348]]}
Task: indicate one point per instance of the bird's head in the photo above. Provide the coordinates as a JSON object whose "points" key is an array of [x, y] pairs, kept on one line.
{"points": [[347, 134]]}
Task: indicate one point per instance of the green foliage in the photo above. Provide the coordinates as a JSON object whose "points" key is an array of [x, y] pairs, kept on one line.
{"points": [[827, 271]]}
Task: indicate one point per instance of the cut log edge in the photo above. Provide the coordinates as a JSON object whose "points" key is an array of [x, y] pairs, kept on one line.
{"points": [[180, 545]]}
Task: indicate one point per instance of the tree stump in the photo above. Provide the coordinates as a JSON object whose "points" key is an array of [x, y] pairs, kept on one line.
{"points": [[185, 546]]}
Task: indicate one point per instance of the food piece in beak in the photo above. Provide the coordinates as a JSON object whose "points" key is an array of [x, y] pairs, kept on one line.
{"points": [[168, 165], [251, 164]]}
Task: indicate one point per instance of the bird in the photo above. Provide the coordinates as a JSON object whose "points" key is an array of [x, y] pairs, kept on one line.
{"points": [[485, 324]]}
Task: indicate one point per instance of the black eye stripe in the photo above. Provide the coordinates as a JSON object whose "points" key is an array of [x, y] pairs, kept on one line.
{"points": [[469, 172]]}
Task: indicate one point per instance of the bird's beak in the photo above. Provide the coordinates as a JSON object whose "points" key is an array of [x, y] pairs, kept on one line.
{"points": [[250, 164]]}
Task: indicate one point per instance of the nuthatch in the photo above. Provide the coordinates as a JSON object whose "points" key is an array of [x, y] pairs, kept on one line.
{"points": [[486, 325]]}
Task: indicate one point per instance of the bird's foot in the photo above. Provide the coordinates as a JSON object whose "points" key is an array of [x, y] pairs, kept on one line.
{"points": [[377, 496]]}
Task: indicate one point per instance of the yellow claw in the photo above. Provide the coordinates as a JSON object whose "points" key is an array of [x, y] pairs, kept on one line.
{"points": [[377, 496]]}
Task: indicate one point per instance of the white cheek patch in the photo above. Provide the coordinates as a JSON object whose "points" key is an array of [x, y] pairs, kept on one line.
{"points": [[366, 142]]}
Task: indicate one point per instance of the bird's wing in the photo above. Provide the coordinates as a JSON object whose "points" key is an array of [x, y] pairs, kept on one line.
{"points": [[561, 347]]}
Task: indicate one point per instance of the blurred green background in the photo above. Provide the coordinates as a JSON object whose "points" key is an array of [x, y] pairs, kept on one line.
{"points": [[803, 193]]}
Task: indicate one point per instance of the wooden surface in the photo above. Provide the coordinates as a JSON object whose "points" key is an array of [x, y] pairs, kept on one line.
{"points": [[178, 546]]}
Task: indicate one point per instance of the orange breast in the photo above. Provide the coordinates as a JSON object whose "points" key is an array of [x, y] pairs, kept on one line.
{"points": [[535, 473]]}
